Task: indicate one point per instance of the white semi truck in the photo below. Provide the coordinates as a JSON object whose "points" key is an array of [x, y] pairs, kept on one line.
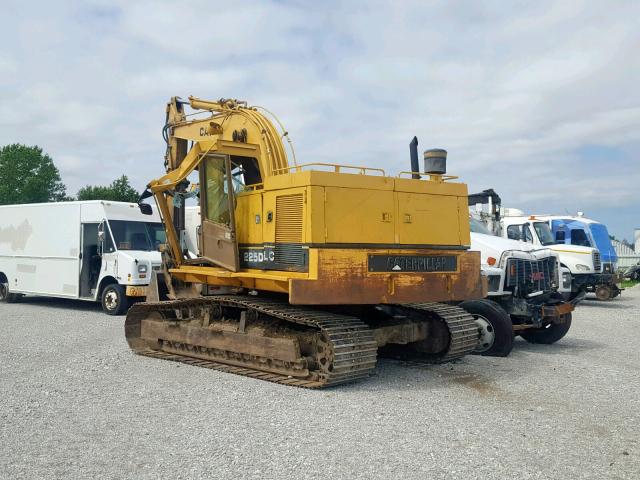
{"points": [[584, 263], [96, 251], [581, 231], [525, 292]]}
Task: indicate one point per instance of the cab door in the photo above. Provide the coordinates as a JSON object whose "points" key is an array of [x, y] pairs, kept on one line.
{"points": [[217, 203]]}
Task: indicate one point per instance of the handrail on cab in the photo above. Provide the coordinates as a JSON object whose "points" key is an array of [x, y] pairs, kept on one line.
{"points": [[336, 168], [442, 178]]}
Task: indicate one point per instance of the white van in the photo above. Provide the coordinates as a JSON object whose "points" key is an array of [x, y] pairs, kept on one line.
{"points": [[90, 250]]}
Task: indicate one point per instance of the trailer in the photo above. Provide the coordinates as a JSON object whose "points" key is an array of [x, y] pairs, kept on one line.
{"points": [[95, 251]]}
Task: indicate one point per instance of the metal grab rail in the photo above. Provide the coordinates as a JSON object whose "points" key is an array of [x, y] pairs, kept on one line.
{"points": [[253, 187], [443, 178], [336, 168]]}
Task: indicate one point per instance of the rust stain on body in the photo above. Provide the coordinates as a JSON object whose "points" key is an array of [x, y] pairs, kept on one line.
{"points": [[343, 278]]}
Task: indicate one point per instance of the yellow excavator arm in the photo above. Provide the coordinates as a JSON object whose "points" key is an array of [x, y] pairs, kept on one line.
{"points": [[230, 121]]}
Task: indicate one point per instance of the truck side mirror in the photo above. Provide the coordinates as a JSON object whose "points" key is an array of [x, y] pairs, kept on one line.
{"points": [[560, 236], [145, 209]]}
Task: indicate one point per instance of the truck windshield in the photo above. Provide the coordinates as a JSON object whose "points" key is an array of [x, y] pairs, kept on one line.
{"points": [[544, 233], [478, 227], [145, 236]]}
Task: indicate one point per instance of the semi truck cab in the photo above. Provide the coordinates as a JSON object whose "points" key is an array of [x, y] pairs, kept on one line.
{"points": [[583, 261], [526, 284], [495, 252], [578, 230]]}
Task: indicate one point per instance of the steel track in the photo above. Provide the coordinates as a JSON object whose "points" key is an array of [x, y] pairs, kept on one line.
{"points": [[462, 328], [352, 341]]}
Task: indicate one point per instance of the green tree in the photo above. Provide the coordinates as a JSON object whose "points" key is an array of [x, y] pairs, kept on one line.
{"points": [[119, 191], [27, 175]]}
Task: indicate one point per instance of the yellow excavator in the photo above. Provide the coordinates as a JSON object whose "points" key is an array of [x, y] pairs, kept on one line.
{"points": [[305, 272]]}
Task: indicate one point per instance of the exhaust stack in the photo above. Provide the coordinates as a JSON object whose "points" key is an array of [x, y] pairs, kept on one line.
{"points": [[435, 161], [415, 163]]}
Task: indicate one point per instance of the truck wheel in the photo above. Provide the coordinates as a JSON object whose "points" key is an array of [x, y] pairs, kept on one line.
{"points": [[549, 334], [6, 296], [4, 292], [494, 326], [604, 292], [114, 300]]}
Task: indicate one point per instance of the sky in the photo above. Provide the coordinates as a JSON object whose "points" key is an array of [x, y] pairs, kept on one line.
{"points": [[538, 100]]}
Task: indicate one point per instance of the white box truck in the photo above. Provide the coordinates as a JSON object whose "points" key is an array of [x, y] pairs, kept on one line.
{"points": [[90, 250]]}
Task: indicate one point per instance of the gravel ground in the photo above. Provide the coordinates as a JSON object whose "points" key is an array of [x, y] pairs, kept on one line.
{"points": [[75, 403]]}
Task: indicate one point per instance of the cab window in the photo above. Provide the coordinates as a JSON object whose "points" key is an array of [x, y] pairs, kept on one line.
{"points": [[544, 233], [109, 246], [579, 237], [519, 232], [245, 171], [217, 196], [238, 178], [478, 227], [513, 232], [244, 174]]}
